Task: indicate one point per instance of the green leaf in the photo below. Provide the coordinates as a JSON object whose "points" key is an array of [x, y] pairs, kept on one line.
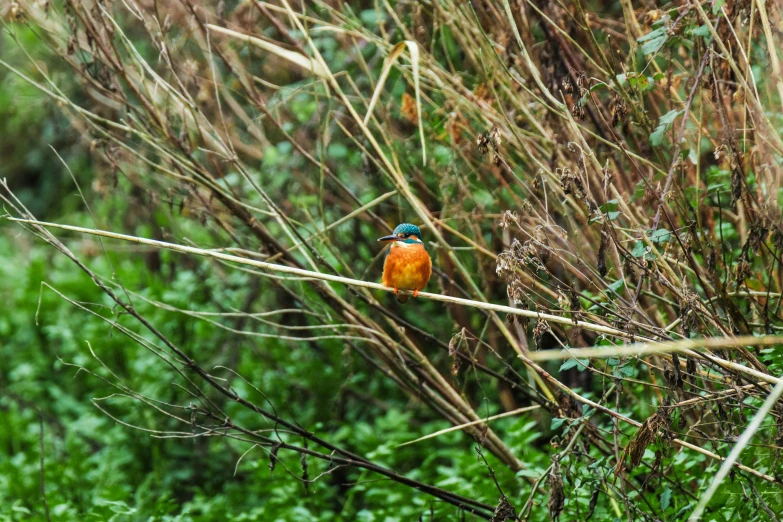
{"points": [[683, 511], [556, 423], [483, 197], [597, 86], [693, 156], [665, 121], [666, 498], [617, 286], [653, 46], [657, 33], [668, 118], [702, 30], [372, 17], [570, 363], [654, 40], [608, 210], [615, 289], [581, 364], [660, 236], [656, 138], [18, 508], [337, 150], [597, 463], [639, 249], [641, 82], [612, 204]]}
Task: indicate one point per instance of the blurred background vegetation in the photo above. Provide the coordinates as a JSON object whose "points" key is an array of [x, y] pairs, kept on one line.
{"points": [[615, 165]]}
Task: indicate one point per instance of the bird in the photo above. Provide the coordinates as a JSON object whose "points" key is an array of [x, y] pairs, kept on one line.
{"points": [[407, 265]]}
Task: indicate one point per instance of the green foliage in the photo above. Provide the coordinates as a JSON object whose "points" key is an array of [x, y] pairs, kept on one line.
{"points": [[654, 40], [664, 124]]}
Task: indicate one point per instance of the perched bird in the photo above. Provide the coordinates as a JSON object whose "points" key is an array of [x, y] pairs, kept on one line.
{"points": [[407, 265]]}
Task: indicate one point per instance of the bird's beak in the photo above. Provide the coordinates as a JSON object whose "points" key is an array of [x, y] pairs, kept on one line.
{"points": [[391, 237]]}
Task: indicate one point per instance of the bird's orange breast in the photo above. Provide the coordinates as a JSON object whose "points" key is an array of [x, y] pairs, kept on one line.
{"points": [[407, 267]]}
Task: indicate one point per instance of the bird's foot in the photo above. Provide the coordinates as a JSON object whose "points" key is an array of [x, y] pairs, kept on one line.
{"points": [[395, 291], [415, 293]]}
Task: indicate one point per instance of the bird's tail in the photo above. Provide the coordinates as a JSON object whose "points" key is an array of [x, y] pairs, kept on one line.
{"points": [[402, 298]]}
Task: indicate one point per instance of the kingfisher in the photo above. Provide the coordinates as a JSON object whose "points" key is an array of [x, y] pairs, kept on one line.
{"points": [[407, 265]]}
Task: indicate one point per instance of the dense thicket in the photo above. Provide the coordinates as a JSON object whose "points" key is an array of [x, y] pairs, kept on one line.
{"points": [[586, 175]]}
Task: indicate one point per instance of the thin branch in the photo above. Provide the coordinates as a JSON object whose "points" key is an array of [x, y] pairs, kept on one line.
{"points": [[272, 267], [686, 346], [469, 424]]}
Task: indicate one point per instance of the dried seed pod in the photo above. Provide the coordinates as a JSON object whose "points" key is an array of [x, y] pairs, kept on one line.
{"points": [[556, 492], [504, 510], [509, 217], [678, 382], [581, 80], [711, 260], [538, 332], [524, 322], [516, 290], [454, 343], [495, 137], [736, 186], [619, 110], [566, 85], [653, 427], [482, 141], [777, 238], [578, 111], [758, 234], [743, 271], [575, 305]]}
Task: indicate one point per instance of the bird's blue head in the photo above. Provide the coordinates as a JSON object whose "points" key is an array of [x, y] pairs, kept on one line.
{"points": [[404, 232]]}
